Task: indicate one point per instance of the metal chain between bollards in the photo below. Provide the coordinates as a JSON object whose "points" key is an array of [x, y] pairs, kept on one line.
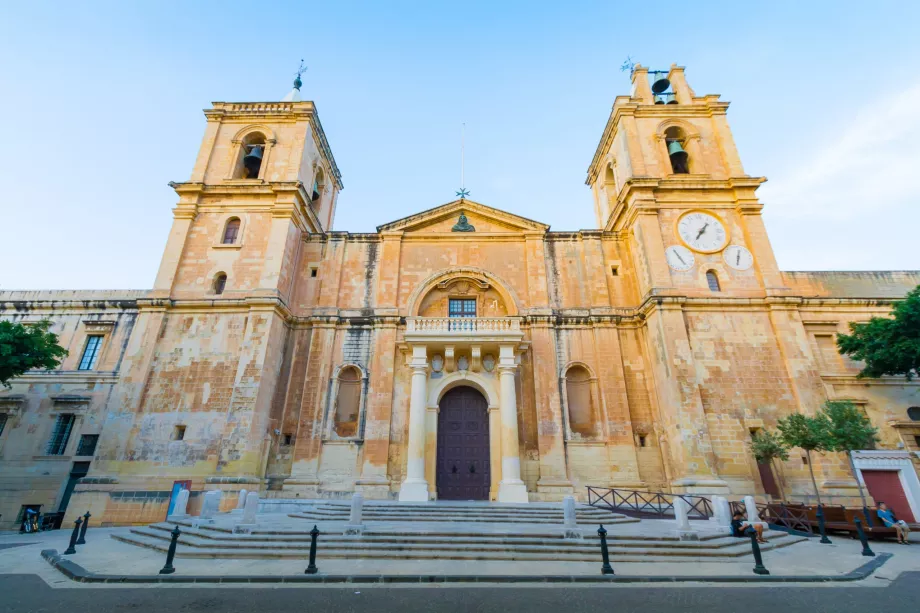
{"points": [[862, 537], [606, 569], [82, 539], [759, 568], [168, 568], [311, 567], [820, 515], [73, 537]]}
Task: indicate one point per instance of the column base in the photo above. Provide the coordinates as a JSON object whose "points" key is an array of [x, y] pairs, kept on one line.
{"points": [[512, 492], [413, 491]]}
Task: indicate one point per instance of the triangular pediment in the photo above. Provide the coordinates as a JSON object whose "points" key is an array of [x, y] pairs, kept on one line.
{"points": [[444, 218]]}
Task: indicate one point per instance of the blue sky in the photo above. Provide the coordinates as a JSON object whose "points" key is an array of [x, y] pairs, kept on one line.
{"points": [[102, 104]]}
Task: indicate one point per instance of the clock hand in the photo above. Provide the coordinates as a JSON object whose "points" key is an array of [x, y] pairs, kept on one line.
{"points": [[680, 258], [703, 229], [738, 258]]}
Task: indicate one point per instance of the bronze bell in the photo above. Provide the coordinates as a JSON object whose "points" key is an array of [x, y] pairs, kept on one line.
{"points": [[661, 83], [674, 147], [253, 161]]}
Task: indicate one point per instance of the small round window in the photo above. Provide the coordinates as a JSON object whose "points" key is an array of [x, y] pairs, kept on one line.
{"points": [[914, 413]]}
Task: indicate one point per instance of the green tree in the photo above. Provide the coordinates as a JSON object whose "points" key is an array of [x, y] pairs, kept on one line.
{"points": [[24, 348], [767, 448], [808, 433], [849, 430], [887, 346]]}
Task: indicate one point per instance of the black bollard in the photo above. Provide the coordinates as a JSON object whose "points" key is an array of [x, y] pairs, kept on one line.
{"points": [[73, 537], [862, 537], [168, 568], [820, 515], [759, 568], [606, 569], [311, 568], [82, 539]]}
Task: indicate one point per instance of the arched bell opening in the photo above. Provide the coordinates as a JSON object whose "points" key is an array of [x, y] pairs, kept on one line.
{"points": [[676, 141]]}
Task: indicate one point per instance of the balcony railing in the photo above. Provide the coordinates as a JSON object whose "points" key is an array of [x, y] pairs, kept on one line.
{"points": [[463, 326]]}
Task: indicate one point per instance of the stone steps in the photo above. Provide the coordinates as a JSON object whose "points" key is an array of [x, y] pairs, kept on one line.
{"points": [[408, 546], [459, 513]]}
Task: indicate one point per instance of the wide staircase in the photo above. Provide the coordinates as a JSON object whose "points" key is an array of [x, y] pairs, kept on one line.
{"points": [[446, 532], [461, 513]]}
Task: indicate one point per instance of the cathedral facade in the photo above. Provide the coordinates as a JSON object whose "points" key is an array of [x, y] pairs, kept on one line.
{"points": [[463, 352]]}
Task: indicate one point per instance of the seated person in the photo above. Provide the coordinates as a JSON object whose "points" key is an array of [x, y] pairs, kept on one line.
{"points": [[740, 527], [890, 521]]}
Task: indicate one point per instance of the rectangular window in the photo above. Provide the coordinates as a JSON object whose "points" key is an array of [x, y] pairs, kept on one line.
{"points": [[917, 442], [61, 434], [87, 444], [179, 433], [461, 307], [90, 352]]}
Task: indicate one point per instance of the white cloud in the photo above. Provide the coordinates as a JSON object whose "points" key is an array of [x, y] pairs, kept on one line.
{"points": [[869, 165]]}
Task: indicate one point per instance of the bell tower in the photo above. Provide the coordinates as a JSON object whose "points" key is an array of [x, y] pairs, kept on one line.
{"points": [[667, 174], [669, 187], [264, 176]]}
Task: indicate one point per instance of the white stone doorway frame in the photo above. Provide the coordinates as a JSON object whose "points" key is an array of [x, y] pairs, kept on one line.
{"points": [[504, 448], [899, 461]]}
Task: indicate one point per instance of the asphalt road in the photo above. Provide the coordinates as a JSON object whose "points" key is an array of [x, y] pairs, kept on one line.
{"points": [[28, 593]]}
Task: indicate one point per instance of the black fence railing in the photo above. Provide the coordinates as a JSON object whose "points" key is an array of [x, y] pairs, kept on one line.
{"points": [[647, 504]]}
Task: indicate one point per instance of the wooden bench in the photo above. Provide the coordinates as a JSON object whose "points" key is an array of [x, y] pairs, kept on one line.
{"points": [[840, 519]]}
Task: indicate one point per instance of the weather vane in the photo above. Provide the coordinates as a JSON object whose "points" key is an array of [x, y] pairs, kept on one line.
{"points": [[628, 65], [301, 70], [462, 192]]}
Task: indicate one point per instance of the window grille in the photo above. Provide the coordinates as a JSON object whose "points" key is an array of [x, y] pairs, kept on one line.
{"points": [[61, 434], [87, 444], [90, 353], [461, 307]]}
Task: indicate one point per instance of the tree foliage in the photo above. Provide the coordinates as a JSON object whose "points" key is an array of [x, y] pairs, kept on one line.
{"points": [[848, 428], [767, 446], [887, 346], [804, 432], [27, 347], [808, 433]]}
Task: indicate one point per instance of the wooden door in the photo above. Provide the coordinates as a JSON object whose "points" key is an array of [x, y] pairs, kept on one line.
{"points": [[463, 446], [885, 486], [768, 480]]}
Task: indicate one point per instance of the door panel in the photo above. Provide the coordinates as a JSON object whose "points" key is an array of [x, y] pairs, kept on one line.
{"points": [[463, 446], [885, 485]]}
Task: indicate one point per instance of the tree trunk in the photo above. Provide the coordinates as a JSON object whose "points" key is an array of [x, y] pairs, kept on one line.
{"points": [[779, 481], [862, 494], [811, 471]]}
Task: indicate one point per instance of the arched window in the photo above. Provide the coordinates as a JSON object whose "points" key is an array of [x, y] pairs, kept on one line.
{"points": [[249, 164], [579, 400], [676, 141], [220, 282], [319, 184], [713, 280], [231, 231], [347, 402], [913, 413]]}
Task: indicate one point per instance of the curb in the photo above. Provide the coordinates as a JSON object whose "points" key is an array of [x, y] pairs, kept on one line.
{"points": [[75, 572]]}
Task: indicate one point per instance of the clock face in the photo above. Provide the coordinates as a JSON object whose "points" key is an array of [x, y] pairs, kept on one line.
{"points": [[738, 257], [679, 257], [701, 231]]}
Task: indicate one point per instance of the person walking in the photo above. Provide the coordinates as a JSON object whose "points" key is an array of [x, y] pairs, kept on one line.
{"points": [[887, 516], [740, 527]]}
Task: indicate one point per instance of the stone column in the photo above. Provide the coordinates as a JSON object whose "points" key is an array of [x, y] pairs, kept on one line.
{"points": [[415, 488], [240, 503], [682, 515], [511, 488]]}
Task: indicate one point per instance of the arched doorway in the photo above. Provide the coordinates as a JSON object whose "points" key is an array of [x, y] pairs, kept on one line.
{"points": [[462, 471]]}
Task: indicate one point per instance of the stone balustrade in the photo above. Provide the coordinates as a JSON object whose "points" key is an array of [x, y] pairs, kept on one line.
{"points": [[463, 326]]}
